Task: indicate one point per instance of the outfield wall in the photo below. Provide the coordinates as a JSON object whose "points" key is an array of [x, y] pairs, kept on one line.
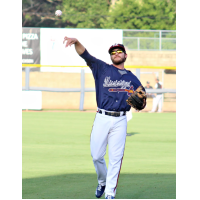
{"points": [[71, 100], [151, 58], [44, 46]]}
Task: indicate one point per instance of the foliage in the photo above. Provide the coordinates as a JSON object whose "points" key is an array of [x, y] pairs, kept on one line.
{"points": [[145, 14], [40, 13], [111, 14], [85, 14]]}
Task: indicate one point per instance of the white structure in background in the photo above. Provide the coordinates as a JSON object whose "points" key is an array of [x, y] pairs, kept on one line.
{"points": [[96, 41], [31, 100]]}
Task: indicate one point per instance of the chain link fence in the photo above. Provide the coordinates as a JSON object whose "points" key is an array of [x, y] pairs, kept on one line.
{"points": [[150, 40]]}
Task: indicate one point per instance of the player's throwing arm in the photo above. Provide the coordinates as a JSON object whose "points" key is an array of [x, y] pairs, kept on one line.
{"points": [[78, 46]]}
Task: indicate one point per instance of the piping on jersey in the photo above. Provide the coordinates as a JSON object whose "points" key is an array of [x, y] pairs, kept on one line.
{"points": [[129, 91]]}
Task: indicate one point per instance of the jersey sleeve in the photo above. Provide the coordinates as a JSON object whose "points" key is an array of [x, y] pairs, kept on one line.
{"points": [[137, 83], [97, 66]]}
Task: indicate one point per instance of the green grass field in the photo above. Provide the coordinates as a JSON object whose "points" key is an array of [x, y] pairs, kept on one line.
{"points": [[56, 160]]}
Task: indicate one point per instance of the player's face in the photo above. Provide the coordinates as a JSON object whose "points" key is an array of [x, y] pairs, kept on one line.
{"points": [[119, 57]]}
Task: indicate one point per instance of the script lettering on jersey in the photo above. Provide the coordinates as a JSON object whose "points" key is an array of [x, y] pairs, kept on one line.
{"points": [[108, 83], [123, 84]]}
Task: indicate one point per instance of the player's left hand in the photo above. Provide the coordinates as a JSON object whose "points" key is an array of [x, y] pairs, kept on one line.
{"points": [[137, 100]]}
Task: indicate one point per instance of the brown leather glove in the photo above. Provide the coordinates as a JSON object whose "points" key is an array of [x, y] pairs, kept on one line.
{"points": [[137, 100]]}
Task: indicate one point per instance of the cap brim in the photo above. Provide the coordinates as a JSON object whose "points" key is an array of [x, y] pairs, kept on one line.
{"points": [[116, 47]]}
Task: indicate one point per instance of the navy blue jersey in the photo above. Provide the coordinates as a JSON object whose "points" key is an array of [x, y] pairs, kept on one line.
{"points": [[113, 86]]}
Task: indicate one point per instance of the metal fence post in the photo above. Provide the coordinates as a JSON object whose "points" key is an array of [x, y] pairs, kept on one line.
{"points": [[138, 73], [160, 43], [138, 43], [82, 89], [27, 71]]}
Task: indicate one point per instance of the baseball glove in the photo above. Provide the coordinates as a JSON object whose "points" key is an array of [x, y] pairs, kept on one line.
{"points": [[137, 100]]}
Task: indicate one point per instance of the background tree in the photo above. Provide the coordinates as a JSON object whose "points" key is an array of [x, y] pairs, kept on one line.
{"points": [[143, 14], [111, 14], [40, 13], [85, 14], [161, 14], [76, 13]]}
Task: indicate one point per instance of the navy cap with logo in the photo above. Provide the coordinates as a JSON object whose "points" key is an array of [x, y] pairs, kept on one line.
{"points": [[120, 46]]}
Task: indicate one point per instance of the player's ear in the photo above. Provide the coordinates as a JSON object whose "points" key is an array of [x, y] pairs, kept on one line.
{"points": [[126, 55]]}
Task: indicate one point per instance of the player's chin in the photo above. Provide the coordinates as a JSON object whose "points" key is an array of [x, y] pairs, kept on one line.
{"points": [[117, 61]]}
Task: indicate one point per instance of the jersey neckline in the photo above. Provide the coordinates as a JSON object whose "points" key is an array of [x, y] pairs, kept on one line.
{"points": [[118, 68]]}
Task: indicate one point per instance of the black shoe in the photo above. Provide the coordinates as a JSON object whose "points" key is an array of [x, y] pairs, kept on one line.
{"points": [[100, 190]]}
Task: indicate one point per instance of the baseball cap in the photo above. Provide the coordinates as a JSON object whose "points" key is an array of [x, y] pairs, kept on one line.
{"points": [[120, 46], [148, 82]]}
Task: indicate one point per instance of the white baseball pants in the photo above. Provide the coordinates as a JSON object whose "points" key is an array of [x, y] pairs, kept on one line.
{"points": [[112, 131], [157, 101]]}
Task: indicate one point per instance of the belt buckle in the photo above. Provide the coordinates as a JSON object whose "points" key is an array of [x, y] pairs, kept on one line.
{"points": [[115, 114]]}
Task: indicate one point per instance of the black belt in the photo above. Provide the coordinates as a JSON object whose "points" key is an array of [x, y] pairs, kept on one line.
{"points": [[114, 114]]}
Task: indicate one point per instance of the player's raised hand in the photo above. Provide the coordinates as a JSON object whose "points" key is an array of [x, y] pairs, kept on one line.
{"points": [[70, 41], [78, 46]]}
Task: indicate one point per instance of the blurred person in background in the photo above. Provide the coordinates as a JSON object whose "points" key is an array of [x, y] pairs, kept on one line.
{"points": [[157, 100], [148, 86]]}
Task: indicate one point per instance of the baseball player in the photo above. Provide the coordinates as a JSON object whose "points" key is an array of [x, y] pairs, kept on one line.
{"points": [[117, 89], [157, 100], [148, 86]]}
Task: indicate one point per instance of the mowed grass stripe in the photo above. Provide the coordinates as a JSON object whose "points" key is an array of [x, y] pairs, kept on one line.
{"points": [[56, 160]]}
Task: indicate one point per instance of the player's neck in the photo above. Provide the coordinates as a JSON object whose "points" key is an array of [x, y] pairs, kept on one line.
{"points": [[121, 66]]}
